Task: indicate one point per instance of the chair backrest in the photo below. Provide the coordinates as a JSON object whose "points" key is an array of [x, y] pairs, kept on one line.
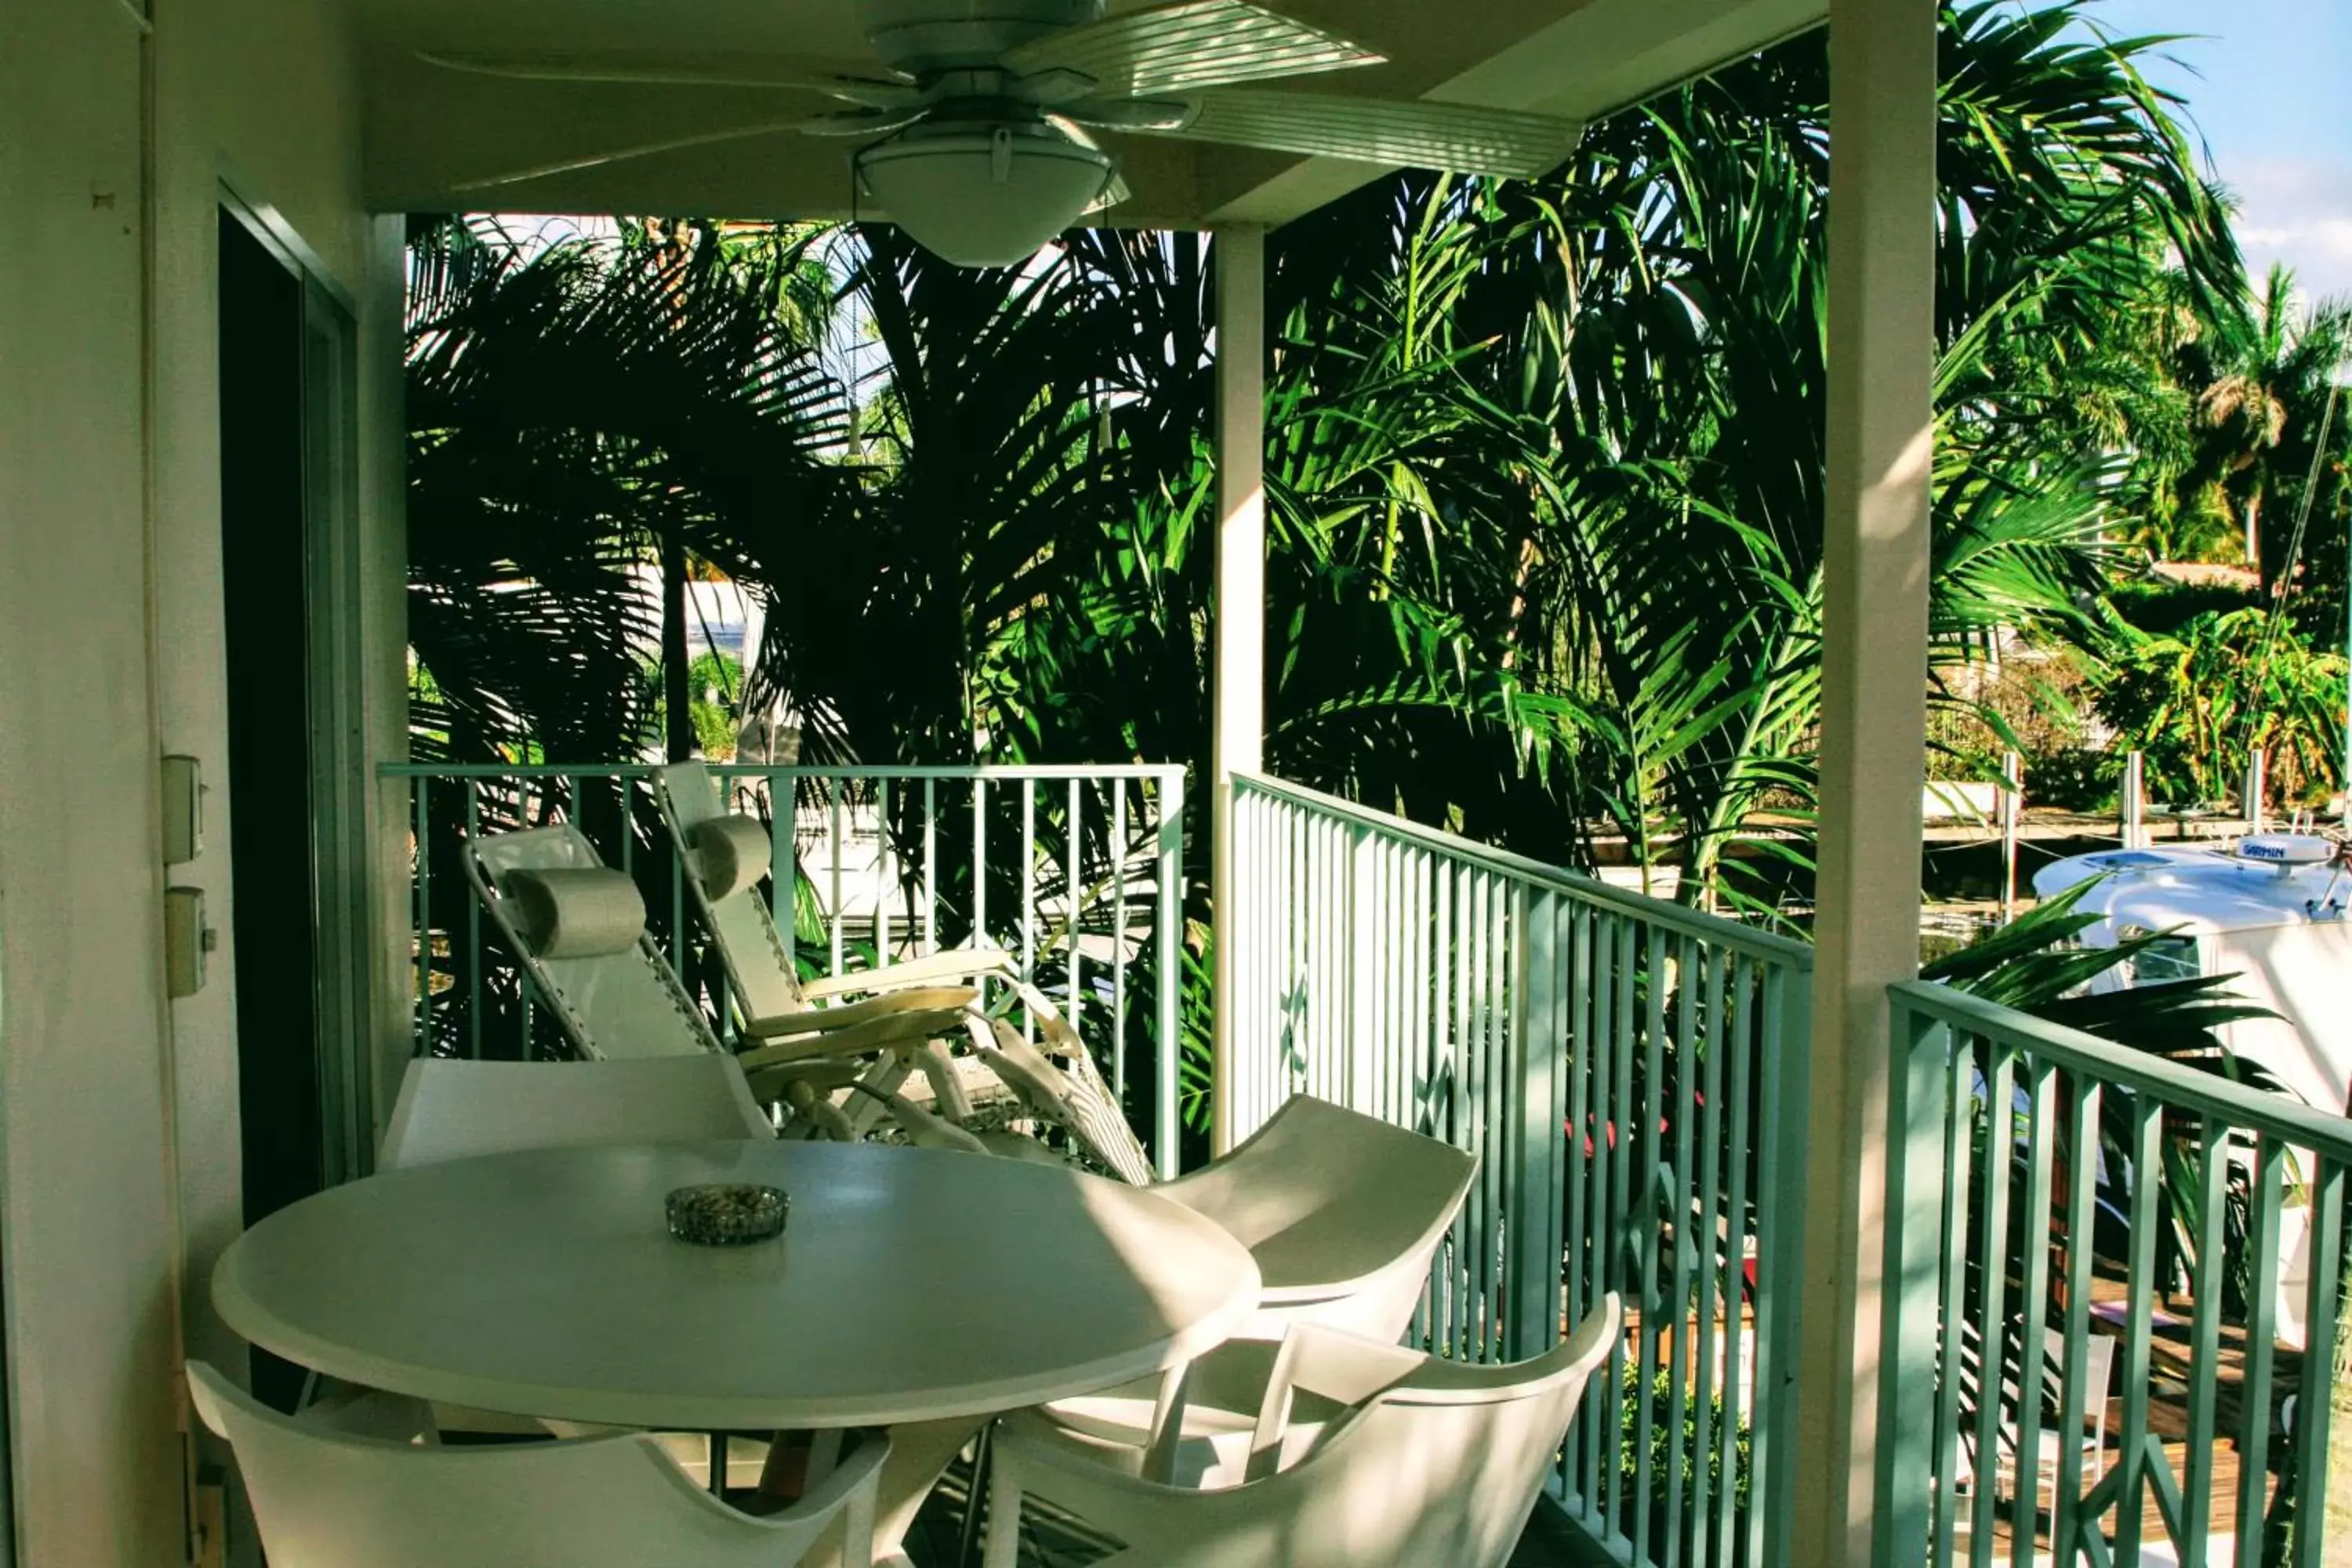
{"points": [[1342, 1212], [455, 1110], [327, 1499], [1441, 1461], [759, 969], [617, 1004]]}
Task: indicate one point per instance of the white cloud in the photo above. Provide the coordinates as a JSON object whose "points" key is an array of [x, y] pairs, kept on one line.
{"points": [[2298, 211]]}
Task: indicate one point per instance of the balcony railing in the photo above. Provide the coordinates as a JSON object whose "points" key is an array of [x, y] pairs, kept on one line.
{"points": [[2047, 1184], [1076, 871], [1630, 1073], [1633, 1074]]}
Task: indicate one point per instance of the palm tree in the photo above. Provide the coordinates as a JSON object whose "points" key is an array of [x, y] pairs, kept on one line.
{"points": [[2262, 378], [575, 415]]}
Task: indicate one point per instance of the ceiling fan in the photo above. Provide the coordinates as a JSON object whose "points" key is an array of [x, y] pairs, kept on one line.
{"points": [[982, 111]]}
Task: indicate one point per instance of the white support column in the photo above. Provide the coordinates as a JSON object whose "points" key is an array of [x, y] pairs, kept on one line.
{"points": [[1238, 684], [1874, 721]]}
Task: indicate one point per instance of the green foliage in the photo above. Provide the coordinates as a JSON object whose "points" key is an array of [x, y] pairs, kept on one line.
{"points": [[1676, 1448], [1544, 469], [2201, 700]]}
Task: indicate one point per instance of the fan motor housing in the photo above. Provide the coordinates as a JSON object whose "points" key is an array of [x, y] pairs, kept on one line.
{"points": [[922, 35]]}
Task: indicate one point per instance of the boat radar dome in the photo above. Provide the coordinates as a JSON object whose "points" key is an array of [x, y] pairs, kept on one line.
{"points": [[2286, 850]]}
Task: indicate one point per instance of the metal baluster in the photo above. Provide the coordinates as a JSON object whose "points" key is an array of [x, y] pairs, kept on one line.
{"points": [[1959, 1145], [837, 830], [980, 863], [1739, 1038], [930, 869], [2204, 1338], [1171, 911], [1028, 897], [1078, 902], [888, 878], [2034, 1304], [2147, 1155], [2082, 1182], [425, 921], [2261, 1308], [473, 932], [1647, 1298], [1710, 1165], [2316, 1407], [1687, 973], [1118, 939]]}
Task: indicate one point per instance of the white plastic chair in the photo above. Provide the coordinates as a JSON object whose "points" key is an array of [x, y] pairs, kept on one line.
{"points": [[1343, 1214], [455, 1110], [324, 1498], [1342, 1211], [728, 854], [1406, 1459]]}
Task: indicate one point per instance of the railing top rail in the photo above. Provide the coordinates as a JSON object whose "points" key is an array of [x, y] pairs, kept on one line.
{"points": [[1673, 916], [1008, 773], [2256, 1109]]}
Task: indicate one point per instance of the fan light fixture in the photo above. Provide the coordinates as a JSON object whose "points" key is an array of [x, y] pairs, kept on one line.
{"points": [[983, 196]]}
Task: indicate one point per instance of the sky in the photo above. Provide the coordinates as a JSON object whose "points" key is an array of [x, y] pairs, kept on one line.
{"points": [[2269, 86]]}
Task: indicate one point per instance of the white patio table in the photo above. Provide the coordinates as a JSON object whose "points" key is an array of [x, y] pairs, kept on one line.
{"points": [[919, 1289]]}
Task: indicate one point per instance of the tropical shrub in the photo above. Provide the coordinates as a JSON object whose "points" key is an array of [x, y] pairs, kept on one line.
{"points": [[2202, 700]]}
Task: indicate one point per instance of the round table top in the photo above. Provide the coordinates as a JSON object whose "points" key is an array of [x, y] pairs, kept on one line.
{"points": [[910, 1285]]}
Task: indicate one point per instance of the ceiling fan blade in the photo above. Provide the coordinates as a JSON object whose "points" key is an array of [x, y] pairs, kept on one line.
{"points": [[1459, 137], [682, 71], [642, 150], [1128, 113], [859, 122], [1186, 44]]}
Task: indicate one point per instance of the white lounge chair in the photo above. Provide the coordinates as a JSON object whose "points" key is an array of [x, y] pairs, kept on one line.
{"points": [[1343, 1213], [1360, 1453], [726, 854], [324, 1498], [457, 1110], [577, 927]]}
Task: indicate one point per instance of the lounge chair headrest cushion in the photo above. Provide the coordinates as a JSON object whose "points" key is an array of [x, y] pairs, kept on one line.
{"points": [[730, 854], [573, 913]]}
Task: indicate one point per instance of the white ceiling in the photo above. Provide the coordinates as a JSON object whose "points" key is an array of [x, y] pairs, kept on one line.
{"points": [[432, 131]]}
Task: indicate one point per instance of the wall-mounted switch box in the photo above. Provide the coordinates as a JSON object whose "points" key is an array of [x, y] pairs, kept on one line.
{"points": [[184, 810], [187, 939]]}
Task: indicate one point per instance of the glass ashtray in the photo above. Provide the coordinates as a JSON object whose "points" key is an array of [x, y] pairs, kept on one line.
{"points": [[727, 1214]]}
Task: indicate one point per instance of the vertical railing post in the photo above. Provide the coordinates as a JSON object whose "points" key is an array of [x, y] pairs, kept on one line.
{"points": [[1914, 1252], [2132, 802], [1238, 693]]}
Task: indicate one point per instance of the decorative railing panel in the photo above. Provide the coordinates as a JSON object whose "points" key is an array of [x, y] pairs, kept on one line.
{"points": [[1076, 871], [1630, 1072], [2049, 1191]]}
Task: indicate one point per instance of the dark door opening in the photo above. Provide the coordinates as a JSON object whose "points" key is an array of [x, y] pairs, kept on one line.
{"points": [[273, 865]]}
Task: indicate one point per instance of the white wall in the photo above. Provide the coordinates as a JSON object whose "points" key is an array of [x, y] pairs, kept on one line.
{"points": [[118, 1110]]}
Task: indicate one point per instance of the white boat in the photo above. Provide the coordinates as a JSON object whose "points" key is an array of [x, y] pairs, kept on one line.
{"points": [[2270, 910]]}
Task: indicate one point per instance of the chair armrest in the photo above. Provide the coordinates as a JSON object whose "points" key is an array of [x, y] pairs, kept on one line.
{"points": [[825, 1020], [928, 970], [1178, 1527], [848, 1493], [906, 1029]]}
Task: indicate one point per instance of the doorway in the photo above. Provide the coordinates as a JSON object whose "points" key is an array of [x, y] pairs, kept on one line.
{"points": [[288, 494]]}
